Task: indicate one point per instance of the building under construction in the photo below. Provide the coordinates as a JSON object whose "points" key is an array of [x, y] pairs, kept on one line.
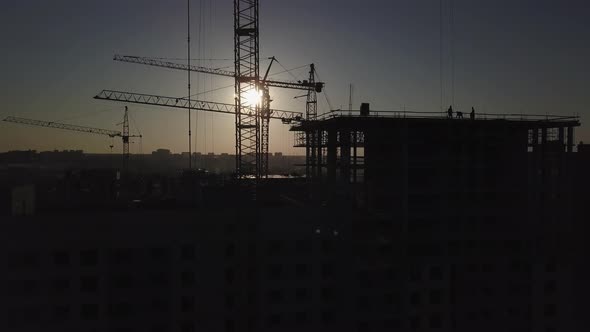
{"points": [[479, 213], [458, 225], [400, 153]]}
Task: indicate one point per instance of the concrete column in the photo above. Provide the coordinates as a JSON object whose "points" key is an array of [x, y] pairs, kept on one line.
{"points": [[535, 139], [570, 139], [561, 137], [320, 160], [345, 156], [308, 155], [544, 136], [332, 157], [313, 147], [354, 156]]}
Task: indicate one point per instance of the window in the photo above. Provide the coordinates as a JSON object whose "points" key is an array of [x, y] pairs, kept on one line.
{"points": [[415, 299], [274, 319], [327, 317], [415, 323], [300, 318], [514, 312], [390, 274], [416, 274], [363, 327], [549, 310], [362, 303], [28, 286], [388, 299], [61, 313], [158, 328], [187, 326], [159, 279], [159, 305], [303, 246], [230, 228], [251, 323], [550, 287], [252, 249], [252, 227], [327, 294], [32, 314], [22, 260], [88, 258], [61, 258], [301, 294], [392, 324], [121, 256], [252, 297], [487, 268], [435, 321], [230, 250], [188, 278], [121, 310], [187, 252], [123, 281], [229, 325], [229, 275], [436, 273], [327, 270], [275, 296], [275, 247], [364, 278], [89, 311], [275, 271], [487, 291], [435, 297], [61, 285], [327, 246], [187, 303], [229, 301], [88, 284], [159, 254], [301, 270], [252, 273]]}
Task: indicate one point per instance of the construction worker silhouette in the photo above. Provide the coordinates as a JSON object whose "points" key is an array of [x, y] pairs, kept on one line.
{"points": [[450, 112]]}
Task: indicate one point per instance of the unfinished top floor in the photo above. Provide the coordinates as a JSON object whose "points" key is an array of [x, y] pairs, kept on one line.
{"points": [[347, 143]]}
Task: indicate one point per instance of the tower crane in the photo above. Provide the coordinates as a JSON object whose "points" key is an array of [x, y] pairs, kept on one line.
{"points": [[265, 112], [251, 118], [98, 131]]}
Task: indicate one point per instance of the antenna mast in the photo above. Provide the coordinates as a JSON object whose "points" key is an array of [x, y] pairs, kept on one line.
{"points": [[350, 99]]}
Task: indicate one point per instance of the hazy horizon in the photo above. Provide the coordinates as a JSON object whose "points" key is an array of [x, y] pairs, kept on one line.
{"points": [[510, 57]]}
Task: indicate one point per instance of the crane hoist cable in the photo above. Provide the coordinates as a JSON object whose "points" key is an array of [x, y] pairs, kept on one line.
{"points": [[325, 92]]}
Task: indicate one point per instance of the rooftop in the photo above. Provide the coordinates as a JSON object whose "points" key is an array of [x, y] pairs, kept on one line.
{"points": [[355, 119]]}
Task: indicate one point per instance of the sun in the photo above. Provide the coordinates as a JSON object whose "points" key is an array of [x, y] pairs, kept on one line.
{"points": [[253, 98]]}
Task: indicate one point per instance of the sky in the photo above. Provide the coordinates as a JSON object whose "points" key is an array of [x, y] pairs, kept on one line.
{"points": [[517, 56]]}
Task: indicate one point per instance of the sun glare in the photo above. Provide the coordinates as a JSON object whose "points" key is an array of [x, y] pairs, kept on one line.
{"points": [[253, 98]]}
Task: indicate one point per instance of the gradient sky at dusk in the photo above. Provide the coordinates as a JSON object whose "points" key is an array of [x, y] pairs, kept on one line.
{"points": [[518, 56]]}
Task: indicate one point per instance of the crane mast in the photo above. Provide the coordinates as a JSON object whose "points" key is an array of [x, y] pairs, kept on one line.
{"points": [[125, 135], [312, 138], [247, 84]]}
